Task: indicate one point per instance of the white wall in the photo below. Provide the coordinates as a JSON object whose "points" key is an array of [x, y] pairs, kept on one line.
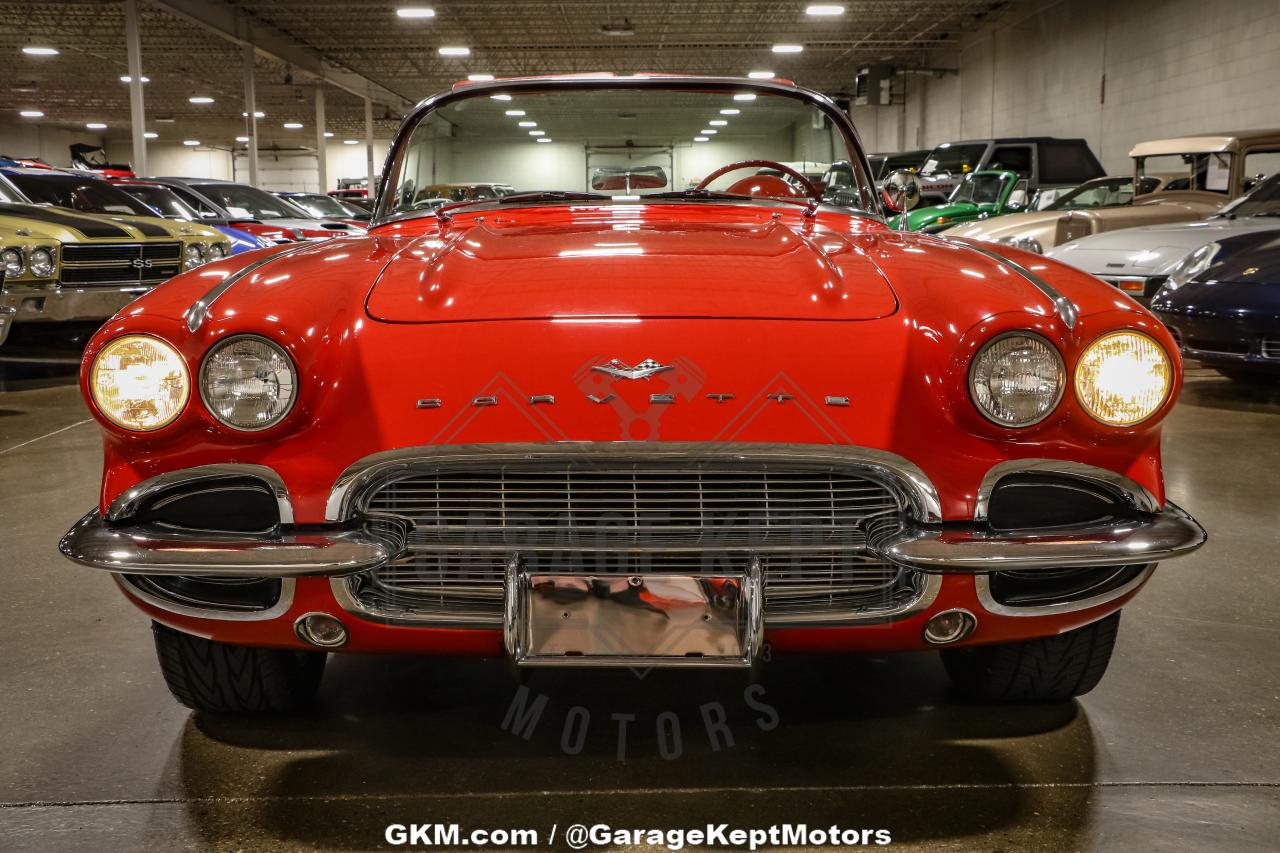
{"points": [[1171, 68], [25, 138], [286, 170]]}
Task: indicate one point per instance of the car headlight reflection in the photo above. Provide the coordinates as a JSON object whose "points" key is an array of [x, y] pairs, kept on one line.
{"points": [[14, 264], [42, 263], [248, 383], [193, 256], [217, 251], [1190, 266], [1017, 379], [139, 383], [1026, 244], [1123, 378]]}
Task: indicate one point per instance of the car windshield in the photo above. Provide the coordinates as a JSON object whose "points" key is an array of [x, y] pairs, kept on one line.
{"points": [[980, 188], [88, 195], [1263, 200], [250, 203], [1104, 193], [953, 158], [160, 199], [615, 142], [320, 206]]}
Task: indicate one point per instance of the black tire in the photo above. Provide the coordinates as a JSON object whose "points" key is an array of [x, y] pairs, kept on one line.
{"points": [[220, 678], [1049, 669]]}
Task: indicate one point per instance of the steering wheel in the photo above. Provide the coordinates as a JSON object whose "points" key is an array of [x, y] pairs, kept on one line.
{"points": [[814, 192]]}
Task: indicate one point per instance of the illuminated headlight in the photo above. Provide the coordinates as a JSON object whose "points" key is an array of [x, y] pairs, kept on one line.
{"points": [[217, 251], [1190, 266], [1123, 378], [42, 263], [14, 265], [1017, 379], [139, 382], [193, 256], [248, 383], [1026, 244]]}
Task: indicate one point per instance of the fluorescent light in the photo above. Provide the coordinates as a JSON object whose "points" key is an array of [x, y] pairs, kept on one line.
{"points": [[515, 112], [293, 125], [191, 143], [527, 123], [454, 51], [543, 139], [479, 78], [717, 122], [242, 139], [150, 134], [96, 125], [40, 51], [701, 139], [31, 114], [709, 132], [745, 96], [125, 78], [788, 48], [415, 12], [729, 112], [256, 114], [824, 10], [537, 133], [500, 97], [760, 75], [328, 135], [351, 142], [200, 99]]}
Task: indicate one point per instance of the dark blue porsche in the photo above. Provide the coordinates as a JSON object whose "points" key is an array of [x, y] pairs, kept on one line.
{"points": [[1222, 303]]}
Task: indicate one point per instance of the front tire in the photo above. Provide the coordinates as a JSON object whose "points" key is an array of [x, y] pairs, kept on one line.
{"points": [[206, 675], [1047, 669]]}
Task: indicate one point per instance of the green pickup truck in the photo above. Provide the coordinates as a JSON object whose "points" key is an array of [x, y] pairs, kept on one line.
{"points": [[980, 195]]}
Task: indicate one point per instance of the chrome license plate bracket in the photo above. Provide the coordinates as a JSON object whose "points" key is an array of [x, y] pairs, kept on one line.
{"points": [[644, 620]]}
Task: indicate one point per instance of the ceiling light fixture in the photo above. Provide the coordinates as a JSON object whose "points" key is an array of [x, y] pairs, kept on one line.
{"points": [[788, 48], [824, 10], [537, 133], [95, 125], [242, 139], [31, 114], [30, 50], [745, 96], [191, 143], [729, 112], [479, 78], [717, 122], [500, 97], [706, 131], [543, 139], [528, 124], [150, 134], [454, 51], [328, 135], [415, 12], [760, 75], [200, 99], [125, 78], [256, 114], [351, 142], [515, 112], [293, 125], [701, 139]]}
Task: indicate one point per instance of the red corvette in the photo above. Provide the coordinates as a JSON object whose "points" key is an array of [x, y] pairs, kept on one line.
{"points": [[667, 428]]}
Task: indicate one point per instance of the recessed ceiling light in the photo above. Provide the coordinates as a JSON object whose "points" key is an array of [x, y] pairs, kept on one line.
{"points": [[96, 125], [454, 51], [328, 135], [717, 122], [191, 143], [543, 139], [242, 139], [31, 114], [537, 133], [527, 123], [150, 134], [164, 120], [40, 51], [788, 48], [824, 10], [200, 99], [479, 78], [125, 78], [700, 139], [293, 125], [415, 12], [351, 142], [500, 97], [745, 96], [706, 131], [760, 75], [729, 112], [515, 112], [256, 114]]}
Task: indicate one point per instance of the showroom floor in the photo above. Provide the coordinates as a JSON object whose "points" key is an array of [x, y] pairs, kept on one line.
{"points": [[97, 756]]}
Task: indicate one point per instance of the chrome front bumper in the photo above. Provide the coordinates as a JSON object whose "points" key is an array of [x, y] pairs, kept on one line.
{"points": [[57, 304]]}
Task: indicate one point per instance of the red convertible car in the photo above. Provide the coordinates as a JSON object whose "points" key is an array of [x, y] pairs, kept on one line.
{"points": [[668, 428]]}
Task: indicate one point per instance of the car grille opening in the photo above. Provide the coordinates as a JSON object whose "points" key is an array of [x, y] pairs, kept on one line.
{"points": [[1048, 587], [1270, 347], [230, 595], [807, 526], [120, 263]]}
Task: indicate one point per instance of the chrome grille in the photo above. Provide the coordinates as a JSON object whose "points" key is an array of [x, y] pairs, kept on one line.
{"points": [[808, 525], [1270, 347], [120, 263]]}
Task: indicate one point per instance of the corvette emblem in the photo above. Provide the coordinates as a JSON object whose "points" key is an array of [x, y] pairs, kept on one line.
{"points": [[643, 370]]}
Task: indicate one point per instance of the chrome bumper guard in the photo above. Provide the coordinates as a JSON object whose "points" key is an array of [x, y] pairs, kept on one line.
{"points": [[6, 321], [976, 549]]}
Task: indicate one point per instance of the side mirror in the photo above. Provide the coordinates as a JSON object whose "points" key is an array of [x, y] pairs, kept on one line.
{"points": [[900, 191]]}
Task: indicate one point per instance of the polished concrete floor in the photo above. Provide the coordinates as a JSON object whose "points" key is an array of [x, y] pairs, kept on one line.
{"points": [[1178, 748]]}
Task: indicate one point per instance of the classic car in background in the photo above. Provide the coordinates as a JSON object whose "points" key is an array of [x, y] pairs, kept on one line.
{"points": [[1037, 230], [93, 158], [212, 213], [323, 206], [168, 204], [351, 188], [243, 202], [981, 195], [1139, 260], [743, 418], [1222, 304], [883, 165], [1044, 161]]}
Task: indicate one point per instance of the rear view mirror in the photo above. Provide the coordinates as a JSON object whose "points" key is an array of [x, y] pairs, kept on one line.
{"points": [[900, 192], [621, 179]]}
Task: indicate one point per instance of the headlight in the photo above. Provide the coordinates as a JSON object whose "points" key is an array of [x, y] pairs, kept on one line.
{"points": [[1026, 244], [139, 383], [14, 265], [217, 251], [42, 263], [248, 383], [1122, 378], [193, 256], [1191, 266], [1017, 379]]}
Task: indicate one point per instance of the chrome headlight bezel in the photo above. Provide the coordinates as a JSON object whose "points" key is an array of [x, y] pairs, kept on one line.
{"points": [[1190, 265], [1026, 244], [211, 404], [218, 251], [975, 392], [1081, 366], [110, 412], [13, 258], [192, 259], [44, 267]]}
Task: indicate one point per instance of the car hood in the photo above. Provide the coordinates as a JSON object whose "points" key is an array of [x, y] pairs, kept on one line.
{"points": [[70, 226], [1008, 225], [510, 268], [1152, 249], [929, 214]]}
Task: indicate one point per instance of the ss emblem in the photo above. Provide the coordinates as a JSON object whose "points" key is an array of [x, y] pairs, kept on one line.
{"points": [[141, 263]]}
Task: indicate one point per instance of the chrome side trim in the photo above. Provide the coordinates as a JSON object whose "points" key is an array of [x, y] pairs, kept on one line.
{"points": [[153, 550], [282, 605], [1134, 494], [1167, 534], [128, 502], [1064, 307], [982, 583], [199, 310], [372, 471]]}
